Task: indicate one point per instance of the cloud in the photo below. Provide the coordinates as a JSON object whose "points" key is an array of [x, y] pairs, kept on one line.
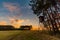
{"points": [[15, 22], [18, 22], [13, 8], [3, 23]]}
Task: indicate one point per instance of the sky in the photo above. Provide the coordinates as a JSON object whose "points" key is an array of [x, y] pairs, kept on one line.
{"points": [[17, 13]]}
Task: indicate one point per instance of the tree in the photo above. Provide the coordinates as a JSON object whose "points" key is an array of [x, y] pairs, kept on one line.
{"points": [[44, 7]]}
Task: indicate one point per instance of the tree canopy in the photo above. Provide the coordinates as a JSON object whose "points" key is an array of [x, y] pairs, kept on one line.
{"points": [[49, 10]]}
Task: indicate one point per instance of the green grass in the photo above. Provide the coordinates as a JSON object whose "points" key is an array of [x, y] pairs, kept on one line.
{"points": [[5, 34], [26, 35]]}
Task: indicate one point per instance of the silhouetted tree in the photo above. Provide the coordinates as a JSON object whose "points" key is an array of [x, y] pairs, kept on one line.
{"points": [[49, 11]]}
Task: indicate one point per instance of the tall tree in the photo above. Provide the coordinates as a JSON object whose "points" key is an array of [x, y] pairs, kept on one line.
{"points": [[48, 10]]}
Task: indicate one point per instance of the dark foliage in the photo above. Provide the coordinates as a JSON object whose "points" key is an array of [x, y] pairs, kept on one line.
{"points": [[49, 9]]}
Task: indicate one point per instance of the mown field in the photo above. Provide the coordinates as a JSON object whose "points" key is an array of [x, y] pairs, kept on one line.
{"points": [[26, 35]]}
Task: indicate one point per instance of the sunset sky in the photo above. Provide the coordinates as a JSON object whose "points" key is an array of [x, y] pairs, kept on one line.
{"points": [[16, 13]]}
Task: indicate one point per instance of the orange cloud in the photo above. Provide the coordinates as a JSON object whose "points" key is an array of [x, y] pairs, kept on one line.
{"points": [[12, 21], [3, 23], [15, 22]]}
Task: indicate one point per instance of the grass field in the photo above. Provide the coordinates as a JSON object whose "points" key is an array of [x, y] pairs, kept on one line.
{"points": [[26, 35]]}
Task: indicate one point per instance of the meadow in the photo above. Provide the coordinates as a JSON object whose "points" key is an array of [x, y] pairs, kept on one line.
{"points": [[26, 35]]}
